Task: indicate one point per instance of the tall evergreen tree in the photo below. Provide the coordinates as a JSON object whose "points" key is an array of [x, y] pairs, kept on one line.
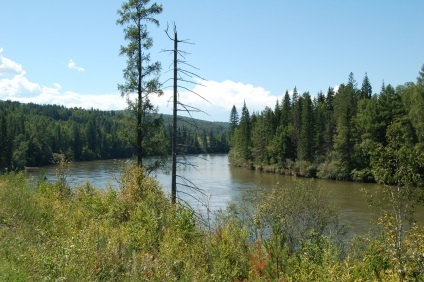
{"points": [[413, 98], [277, 115], [284, 131], [134, 16], [260, 136], [366, 89], [345, 106], [330, 126], [390, 108], [244, 134], [319, 125], [234, 119], [420, 77], [297, 121], [306, 143], [286, 110]]}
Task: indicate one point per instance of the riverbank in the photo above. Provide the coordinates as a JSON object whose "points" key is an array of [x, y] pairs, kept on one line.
{"points": [[305, 169], [132, 233]]}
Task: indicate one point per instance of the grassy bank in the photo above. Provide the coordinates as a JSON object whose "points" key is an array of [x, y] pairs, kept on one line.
{"points": [[132, 233]]}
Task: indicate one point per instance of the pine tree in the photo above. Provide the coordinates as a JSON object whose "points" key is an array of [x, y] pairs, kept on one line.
{"points": [[286, 111], [283, 132], [307, 129], [297, 121], [134, 16], [319, 125], [234, 119], [390, 108], [420, 77], [345, 107], [366, 89], [277, 116], [244, 134]]}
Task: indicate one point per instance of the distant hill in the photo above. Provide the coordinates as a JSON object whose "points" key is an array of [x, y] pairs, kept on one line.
{"points": [[192, 124]]}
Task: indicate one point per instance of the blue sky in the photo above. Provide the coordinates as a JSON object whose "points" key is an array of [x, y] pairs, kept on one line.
{"points": [[67, 52]]}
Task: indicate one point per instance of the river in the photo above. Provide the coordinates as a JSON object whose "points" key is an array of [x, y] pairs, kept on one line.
{"points": [[223, 183]]}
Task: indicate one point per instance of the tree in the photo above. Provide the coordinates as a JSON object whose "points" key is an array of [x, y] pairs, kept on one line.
{"points": [[307, 129], [180, 76], [245, 129], [320, 125], [414, 104], [420, 77], [240, 154], [399, 172], [261, 138], [345, 107], [277, 116], [366, 89], [5, 144], [134, 16], [297, 121], [286, 110], [234, 119], [91, 134], [330, 126], [390, 108], [77, 142], [284, 131]]}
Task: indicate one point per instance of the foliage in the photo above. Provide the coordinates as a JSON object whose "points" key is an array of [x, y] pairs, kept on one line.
{"points": [[330, 136], [144, 122]]}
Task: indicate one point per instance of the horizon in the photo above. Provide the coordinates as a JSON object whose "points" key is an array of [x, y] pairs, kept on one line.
{"points": [[120, 110]]}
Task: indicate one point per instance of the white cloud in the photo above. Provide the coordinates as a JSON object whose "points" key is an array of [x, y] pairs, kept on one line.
{"points": [[74, 66], [52, 95], [8, 66], [222, 96], [17, 87]]}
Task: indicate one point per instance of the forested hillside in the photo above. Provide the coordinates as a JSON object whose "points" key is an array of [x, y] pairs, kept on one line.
{"points": [[343, 134], [36, 135]]}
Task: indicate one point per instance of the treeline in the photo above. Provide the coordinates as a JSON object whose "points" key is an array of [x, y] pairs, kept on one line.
{"points": [[36, 135], [198, 136], [338, 135]]}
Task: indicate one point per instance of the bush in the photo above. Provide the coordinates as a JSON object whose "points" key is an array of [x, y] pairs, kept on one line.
{"points": [[305, 169], [288, 233], [331, 170], [363, 175]]}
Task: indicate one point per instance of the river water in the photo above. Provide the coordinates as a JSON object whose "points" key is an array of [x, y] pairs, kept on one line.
{"points": [[222, 183]]}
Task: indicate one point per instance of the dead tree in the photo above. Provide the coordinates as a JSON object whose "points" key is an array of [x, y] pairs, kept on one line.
{"points": [[183, 76]]}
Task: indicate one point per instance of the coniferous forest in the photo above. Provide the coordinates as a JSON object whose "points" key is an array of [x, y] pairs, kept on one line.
{"points": [[36, 135], [343, 134]]}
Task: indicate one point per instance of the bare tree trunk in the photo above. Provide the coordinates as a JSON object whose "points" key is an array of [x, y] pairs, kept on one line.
{"points": [[139, 103], [174, 127], [177, 77]]}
